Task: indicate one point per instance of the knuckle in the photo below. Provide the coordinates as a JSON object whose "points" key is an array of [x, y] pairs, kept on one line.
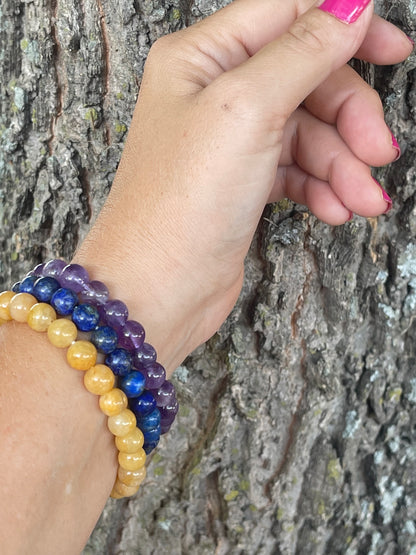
{"points": [[309, 37]]}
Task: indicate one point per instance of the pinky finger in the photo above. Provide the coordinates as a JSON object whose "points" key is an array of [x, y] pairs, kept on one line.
{"points": [[314, 193]]}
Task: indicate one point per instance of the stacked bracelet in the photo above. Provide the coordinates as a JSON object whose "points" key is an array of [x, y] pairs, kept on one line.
{"points": [[143, 398]]}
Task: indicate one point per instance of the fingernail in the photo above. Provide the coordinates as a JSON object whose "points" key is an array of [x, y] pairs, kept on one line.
{"points": [[347, 11], [411, 40], [351, 216], [385, 197], [396, 146]]}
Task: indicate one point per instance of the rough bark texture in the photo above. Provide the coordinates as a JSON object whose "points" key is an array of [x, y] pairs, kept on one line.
{"points": [[297, 428]]}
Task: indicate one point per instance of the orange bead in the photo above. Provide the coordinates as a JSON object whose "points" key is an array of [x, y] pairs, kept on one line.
{"points": [[41, 316], [113, 402], [82, 355], [62, 333], [120, 490], [20, 305], [99, 379], [131, 442], [132, 461], [122, 424], [5, 299], [131, 477]]}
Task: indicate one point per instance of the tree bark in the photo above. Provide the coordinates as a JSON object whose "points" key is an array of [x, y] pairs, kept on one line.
{"points": [[297, 425]]}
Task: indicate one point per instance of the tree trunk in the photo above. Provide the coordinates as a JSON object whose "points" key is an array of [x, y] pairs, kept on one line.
{"points": [[297, 425]]}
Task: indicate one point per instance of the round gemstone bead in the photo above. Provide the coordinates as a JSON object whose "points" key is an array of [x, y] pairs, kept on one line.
{"points": [[132, 461], [133, 384], [95, 293], [113, 402], [121, 490], [85, 317], [16, 287], [148, 447], [82, 355], [62, 333], [20, 305], [165, 394], [151, 436], [26, 285], [131, 335], [44, 288], [143, 405], [41, 316], [131, 442], [74, 277], [169, 412], [105, 339], [64, 301], [54, 268], [99, 379], [155, 375], [149, 421], [5, 299], [122, 424], [114, 313], [120, 362], [144, 356], [37, 270], [131, 477]]}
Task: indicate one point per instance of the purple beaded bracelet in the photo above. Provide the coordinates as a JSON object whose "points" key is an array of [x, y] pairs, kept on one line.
{"points": [[128, 356]]}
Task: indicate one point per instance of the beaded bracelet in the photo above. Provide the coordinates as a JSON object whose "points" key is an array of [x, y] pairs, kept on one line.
{"points": [[56, 288]]}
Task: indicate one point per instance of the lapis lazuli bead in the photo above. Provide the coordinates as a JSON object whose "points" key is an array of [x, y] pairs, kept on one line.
{"points": [[44, 288], [105, 339], [149, 447], [120, 362], [86, 317], [16, 287], [142, 405], [144, 356], [26, 285], [64, 301], [133, 384], [152, 435], [149, 421]]}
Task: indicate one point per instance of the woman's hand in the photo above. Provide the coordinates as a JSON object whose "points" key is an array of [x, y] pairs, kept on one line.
{"points": [[251, 105]]}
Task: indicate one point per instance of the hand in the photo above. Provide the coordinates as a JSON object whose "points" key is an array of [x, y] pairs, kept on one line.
{"points": [[253, 104]]}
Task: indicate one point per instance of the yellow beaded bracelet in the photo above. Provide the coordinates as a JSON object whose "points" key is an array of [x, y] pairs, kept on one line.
{"points": [[98, 379]]}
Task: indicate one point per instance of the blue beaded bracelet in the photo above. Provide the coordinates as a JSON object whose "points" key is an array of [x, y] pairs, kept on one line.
{"points": [[68, 289]]}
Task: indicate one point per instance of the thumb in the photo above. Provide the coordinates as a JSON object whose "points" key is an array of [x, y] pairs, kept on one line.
{"points": [[284, 72]]}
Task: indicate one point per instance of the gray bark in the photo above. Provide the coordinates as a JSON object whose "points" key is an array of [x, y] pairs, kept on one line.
{"points": [[297, 427]]}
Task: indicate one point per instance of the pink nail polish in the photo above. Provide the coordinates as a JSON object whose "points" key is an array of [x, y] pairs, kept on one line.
{"points": [[351, 216], [411, 40], [385, 197], [396, 146], [347, 11]]}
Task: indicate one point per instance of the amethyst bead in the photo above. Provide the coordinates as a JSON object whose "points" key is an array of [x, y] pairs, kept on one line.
{"points": [[131, 335], [165, 394], [144, 356], [54, 268], [74, 277], [95, 293], [155, 375], [114, 313], [37, 270]]}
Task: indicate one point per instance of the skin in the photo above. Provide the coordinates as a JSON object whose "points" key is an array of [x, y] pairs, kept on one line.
{"points": [[251, 105]]}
